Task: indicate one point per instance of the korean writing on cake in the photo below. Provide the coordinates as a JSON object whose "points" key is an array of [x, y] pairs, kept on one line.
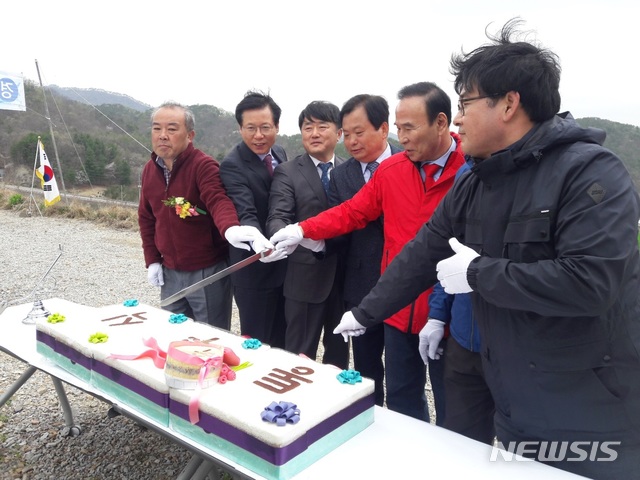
{"points": [[130, 319], [280, 381]]}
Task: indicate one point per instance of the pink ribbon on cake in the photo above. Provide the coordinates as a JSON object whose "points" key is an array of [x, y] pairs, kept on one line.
{"points": [[205, 366], [155, 353], [194, 403]]}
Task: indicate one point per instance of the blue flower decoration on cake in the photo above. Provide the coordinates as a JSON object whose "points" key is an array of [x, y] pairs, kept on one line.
{"points": [[251, 344], [177, 318], [131, 303], [349, 376], [281, 413]]}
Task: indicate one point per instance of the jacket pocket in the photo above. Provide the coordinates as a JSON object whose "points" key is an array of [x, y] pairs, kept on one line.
{"points": [[528, 239], [577, 381]]}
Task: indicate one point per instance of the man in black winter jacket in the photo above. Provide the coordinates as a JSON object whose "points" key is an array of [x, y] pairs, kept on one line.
{"points": [[543, 234]]}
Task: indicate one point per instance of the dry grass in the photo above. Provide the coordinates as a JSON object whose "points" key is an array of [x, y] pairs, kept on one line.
{"points": [[113, 215]]}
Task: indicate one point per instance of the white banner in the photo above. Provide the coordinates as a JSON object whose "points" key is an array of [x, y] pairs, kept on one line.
{"points": [[12, 92]]}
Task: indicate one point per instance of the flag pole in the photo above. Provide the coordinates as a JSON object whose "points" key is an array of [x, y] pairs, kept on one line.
{"points": [[33, 181], [53, 138]]}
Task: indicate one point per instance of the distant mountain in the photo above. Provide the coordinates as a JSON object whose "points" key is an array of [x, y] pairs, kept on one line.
{"points": [[109, 147], [95, 96]]}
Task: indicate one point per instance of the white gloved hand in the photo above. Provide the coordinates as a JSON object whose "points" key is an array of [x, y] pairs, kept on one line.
{"points": [[287, 236], [349, 327], [261, 243], [275, 256], [238, 234], [430, 337], [313, 245], [154, 275], [452, 272]]}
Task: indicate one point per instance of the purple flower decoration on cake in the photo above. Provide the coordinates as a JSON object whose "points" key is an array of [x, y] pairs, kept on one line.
{"points": [[132, 302], [251, 344], [281, 413], [177, 318], [349, 376]]}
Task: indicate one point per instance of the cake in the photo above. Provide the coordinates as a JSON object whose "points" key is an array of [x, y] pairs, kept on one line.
{"points": [[271, 411], [187, 361]]}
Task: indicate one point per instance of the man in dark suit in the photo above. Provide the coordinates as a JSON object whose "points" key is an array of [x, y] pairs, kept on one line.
{"points": [[313, 282], [365, 126], [246, 173]]}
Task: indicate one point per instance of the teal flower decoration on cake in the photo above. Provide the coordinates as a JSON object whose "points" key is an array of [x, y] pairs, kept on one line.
{"points": [[56, 318], [98, 338], [131, 303], [178, 318], [251, 344], [349, 376]]}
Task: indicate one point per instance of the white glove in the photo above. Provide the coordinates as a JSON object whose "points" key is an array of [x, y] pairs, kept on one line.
{"points": [[313, 245], [287, 236], [452, 272], [154, 275], [349, 327], [238, 234], [275, 256], [260, 244], [430, 337]]}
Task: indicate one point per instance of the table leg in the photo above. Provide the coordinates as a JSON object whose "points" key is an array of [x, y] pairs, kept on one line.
{"points": [[70, 428], [16, 385]]}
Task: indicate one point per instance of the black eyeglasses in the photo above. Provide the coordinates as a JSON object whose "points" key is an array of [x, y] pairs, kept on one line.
{"points": [[463, 101]]}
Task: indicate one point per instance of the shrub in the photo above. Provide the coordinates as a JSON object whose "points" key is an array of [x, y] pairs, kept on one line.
{"points": [[16, 199]]}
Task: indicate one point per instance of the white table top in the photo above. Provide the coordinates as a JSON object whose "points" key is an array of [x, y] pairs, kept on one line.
{"points": [[395, 445]]}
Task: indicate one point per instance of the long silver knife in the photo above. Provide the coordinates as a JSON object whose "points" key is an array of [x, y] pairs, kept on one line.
{"points": [[214, 278]]}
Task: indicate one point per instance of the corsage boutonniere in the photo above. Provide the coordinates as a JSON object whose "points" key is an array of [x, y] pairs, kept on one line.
{"points": [[183, 208]]}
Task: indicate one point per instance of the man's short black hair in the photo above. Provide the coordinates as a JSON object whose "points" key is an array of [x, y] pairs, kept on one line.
{"points": [[255, 100], [436, 100], [376, 107], [504, 66], [323, 111]]}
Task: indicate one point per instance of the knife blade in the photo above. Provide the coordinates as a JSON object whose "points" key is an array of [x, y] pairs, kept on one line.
{"points": [[214, 278]]}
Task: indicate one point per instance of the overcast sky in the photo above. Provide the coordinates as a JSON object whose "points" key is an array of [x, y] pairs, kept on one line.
{"points": [[203, 52]]}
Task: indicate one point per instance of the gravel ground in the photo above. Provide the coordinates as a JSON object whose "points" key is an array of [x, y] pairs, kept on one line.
{"points": [[100, 266]]}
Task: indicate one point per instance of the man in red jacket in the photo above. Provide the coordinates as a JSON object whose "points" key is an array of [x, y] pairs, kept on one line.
{"points": [[405, 189]]}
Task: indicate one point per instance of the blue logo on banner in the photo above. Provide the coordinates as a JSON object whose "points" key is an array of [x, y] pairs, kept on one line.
{"points": [[8, 90]]}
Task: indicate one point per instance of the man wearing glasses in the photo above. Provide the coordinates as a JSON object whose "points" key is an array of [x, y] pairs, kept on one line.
{"points": [[405, 189], [543, 234], [246, 173]]}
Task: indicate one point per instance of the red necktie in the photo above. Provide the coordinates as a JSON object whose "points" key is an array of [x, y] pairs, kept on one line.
{"points": [[430, 169], [268, 161]]}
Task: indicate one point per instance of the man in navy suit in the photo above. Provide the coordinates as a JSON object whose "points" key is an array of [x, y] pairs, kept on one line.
{"points": [[246, 173], [365, 126], [313, 282]]}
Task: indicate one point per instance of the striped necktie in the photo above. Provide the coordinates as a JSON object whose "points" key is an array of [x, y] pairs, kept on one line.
{"points": [[325, 175], [371, 167]]}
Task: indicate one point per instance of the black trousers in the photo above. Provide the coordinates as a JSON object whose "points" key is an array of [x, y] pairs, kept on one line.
{"points": [[305, 325], [261, 314], [469, 404]]}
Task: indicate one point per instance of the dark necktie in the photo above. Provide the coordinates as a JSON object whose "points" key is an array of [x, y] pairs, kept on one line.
{"points": [[268, 161], [371, 167], [430, 169], [325, 175]]}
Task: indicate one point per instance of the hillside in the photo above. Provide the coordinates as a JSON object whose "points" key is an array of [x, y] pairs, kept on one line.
{"points": [[106, 145], [623, 139]]}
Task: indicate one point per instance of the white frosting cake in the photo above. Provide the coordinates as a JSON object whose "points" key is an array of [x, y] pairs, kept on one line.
{"points": [[307, 411]]}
